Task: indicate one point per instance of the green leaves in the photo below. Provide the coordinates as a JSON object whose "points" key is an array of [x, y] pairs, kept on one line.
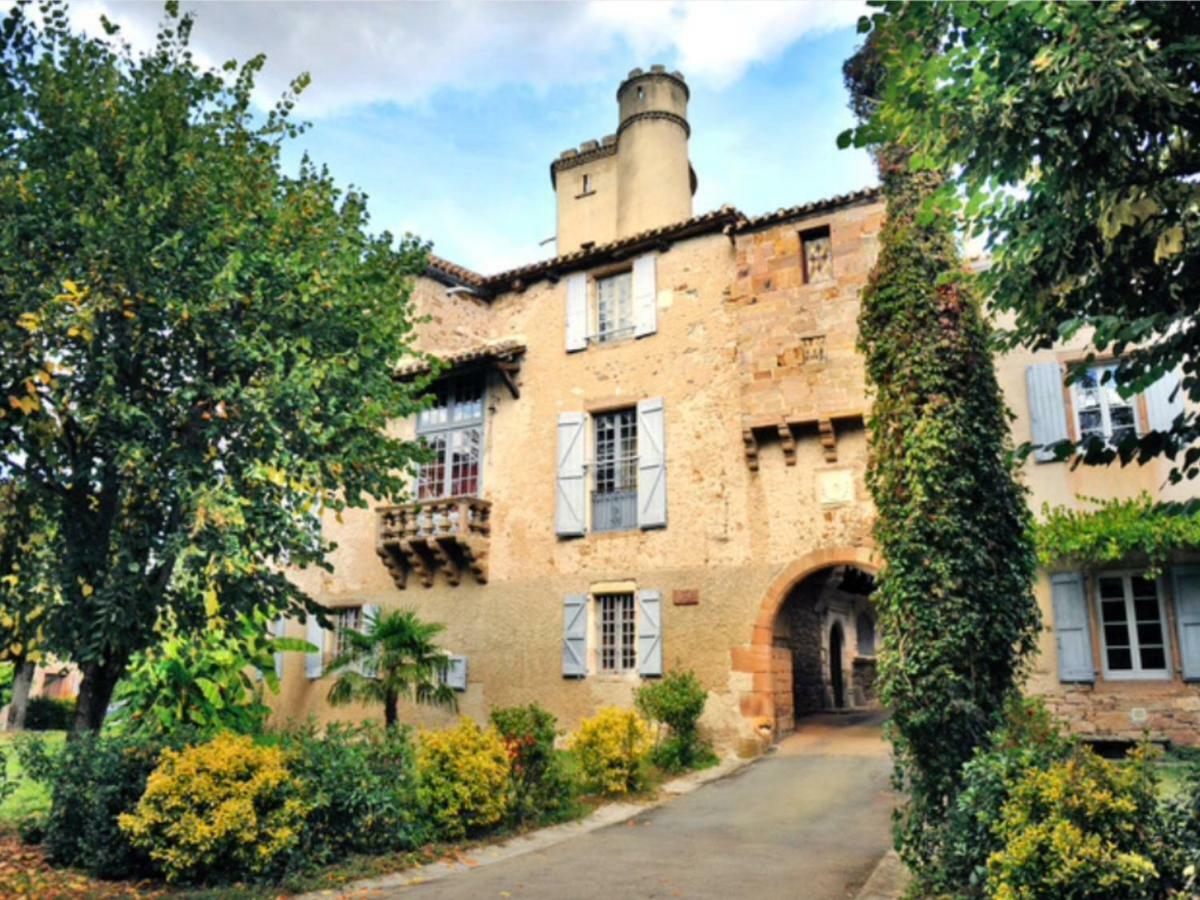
{"points": [[187, 336], [1068, 132]]}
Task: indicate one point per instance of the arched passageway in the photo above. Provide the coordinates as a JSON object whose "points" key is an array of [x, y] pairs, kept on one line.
{"points": [[824, 640]]}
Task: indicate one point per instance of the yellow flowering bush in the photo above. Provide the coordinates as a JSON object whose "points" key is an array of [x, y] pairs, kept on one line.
{"points": [[1079, 828], [227, 809], [611, 747], [462, 778]]}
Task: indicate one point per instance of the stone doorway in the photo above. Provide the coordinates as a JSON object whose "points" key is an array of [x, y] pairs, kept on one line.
{"points": [[824, 641]]}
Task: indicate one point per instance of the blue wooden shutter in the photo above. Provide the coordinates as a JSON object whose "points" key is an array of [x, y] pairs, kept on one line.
{"points": [[1187, 615], [314, 663], [278, 630], [650, 650], [1071, 627], [570, 486], [575, 636], [652, 464], [645, 296], [577, 312], [1164, 402], [456, 673], [1047, 412]]}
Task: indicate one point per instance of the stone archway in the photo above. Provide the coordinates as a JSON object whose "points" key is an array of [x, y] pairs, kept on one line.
{"points": [[775, 697]]}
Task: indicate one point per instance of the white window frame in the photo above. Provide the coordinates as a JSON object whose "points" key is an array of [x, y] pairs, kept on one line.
{"points": [[612, 335], [1103, 388], [625, 646], [593, 467], [1137, 673], [459, 421], [345, 618]]}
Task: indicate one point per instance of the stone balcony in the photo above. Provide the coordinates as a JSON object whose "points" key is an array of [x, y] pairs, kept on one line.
{"points": [[449, 536]]}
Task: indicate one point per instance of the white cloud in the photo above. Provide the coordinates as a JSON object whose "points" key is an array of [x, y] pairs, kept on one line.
{"points": [[361, 53]]}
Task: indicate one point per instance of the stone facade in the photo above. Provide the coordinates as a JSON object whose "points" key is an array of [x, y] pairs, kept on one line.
{"points": [[750, 356]]}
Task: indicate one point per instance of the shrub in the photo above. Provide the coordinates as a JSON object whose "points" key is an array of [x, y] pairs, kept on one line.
{"points": [[48, 714], [223, 810], [1078, 829], [92, 780], [541, 789], [612, 745], [1029, 740], [360, 786], [677, 701], [462, 779]]}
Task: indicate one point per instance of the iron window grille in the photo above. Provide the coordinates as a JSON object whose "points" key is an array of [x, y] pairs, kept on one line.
{"points": [[1101, 413], [614, 486], [618, 633], [1133, 626], [452, 432], [614, 307]]}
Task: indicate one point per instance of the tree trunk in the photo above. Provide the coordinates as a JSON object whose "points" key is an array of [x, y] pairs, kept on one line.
{"points": [[22, 682], [95, 692], [390, 701]]}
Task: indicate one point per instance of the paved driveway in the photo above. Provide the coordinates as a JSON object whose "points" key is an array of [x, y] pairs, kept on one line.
{"points": [[809, 822]]}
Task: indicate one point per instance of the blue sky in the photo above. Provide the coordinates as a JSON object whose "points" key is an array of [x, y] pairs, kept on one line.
{"points": [[448, 115]]}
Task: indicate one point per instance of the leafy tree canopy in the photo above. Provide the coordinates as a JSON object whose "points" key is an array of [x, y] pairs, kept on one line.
{"points": [[1071, 130], [196, 349]]}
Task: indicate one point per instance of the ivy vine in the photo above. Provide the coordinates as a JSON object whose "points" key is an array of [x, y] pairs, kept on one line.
{"points": [[1115, 531]]}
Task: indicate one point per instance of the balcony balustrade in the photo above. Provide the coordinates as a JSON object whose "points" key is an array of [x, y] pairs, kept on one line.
{"points": [[424, 538]]}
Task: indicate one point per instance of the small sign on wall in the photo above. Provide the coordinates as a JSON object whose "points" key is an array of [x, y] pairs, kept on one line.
{"points": [[835, 487], [686, 597]]}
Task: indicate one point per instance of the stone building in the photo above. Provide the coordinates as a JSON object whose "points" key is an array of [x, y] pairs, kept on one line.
{"points": [[649, 454]]}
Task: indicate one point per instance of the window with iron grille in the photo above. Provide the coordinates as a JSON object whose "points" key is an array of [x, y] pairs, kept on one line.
{"points": [[1132, 624], [614, 307], [349, 618], [1100, 410], [614, 487], [618, 632], [452, 432]]}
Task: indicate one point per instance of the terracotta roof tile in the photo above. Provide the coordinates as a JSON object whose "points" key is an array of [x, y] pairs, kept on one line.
{"points": [[494, 350]]}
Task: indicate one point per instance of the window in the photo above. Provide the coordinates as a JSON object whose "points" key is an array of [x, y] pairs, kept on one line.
{"points": [[452, 430], [864, 627], [614, 307], [618, 632], [587, 185], [614, 489], [1100, 411], [1132, 627], [817, 255], [349, 618]]}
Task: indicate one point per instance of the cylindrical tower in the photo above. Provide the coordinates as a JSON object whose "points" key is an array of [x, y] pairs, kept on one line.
{"points": [[655, 181]]}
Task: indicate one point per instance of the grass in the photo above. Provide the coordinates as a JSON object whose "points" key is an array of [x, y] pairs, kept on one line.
{"points": [[29, 796]]}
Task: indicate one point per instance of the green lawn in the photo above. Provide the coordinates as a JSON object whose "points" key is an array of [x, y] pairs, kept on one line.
{"points": [[29, 797]]}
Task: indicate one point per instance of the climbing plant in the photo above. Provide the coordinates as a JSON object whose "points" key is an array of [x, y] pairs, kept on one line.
{"points": [[1117, 530], [955, 601]]}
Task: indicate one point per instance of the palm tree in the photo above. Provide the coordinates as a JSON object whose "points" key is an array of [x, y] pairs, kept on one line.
{"points": [[393, 657]]}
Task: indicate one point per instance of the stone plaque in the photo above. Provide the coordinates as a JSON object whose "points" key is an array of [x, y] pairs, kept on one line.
{"points": [[835, 487], [689, 597]]}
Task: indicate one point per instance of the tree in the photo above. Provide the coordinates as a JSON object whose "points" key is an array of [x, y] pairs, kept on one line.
{"points": [[26, 593], [394, 657], [957, 613], [202, 683], [196, 350], [1073, 132]]}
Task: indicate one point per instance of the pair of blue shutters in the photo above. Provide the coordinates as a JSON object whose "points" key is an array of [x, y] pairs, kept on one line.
{"points": [[649, 635], [1048, 411], [1073, 631]]}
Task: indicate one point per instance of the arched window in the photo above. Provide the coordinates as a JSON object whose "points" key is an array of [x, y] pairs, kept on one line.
{"points": [[865, 626]]}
